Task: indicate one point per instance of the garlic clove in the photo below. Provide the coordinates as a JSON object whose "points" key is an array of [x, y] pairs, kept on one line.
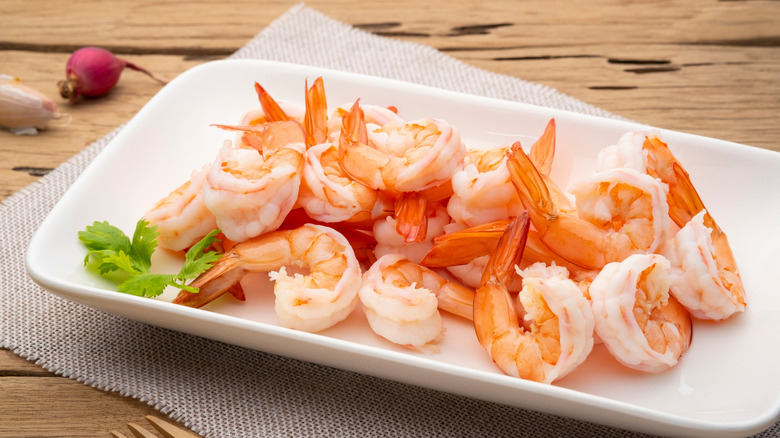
{"points": [[23, 109]]}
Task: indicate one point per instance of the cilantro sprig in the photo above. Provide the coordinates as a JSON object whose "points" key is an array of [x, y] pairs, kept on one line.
{"points": [[128, 262]]}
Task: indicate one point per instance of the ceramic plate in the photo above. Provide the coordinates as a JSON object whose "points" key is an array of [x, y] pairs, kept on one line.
{"points": [[727, 384]]}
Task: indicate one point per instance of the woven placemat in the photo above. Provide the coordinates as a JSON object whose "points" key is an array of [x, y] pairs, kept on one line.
{"points": [[220, 390]]}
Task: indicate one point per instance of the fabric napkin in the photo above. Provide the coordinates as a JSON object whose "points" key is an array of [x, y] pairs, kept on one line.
{"points": [[220, 390]]}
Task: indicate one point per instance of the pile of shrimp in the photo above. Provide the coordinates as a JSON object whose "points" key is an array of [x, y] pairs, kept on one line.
{"points": [[402, 220]]}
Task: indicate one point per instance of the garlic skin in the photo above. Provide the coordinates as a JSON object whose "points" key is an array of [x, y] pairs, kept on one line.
{"points": [[23, 109]]}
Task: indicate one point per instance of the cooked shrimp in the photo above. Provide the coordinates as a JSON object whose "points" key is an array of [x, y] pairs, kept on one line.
{"points": [[250, 192], [482, 191], [627, 152], [619, 212], [464, 252], [270, 110], [415, 156], [376, 117], [700, 281], [327, 193], [559, 319], [685, 204], [389, 241], [643, 326], [707, 279], [311, 302], [181, 217], [401, 300]]}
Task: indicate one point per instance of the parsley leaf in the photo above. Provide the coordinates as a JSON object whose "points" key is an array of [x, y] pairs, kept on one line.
{"points": [[104, 241], [195, 261], [114, 251]]}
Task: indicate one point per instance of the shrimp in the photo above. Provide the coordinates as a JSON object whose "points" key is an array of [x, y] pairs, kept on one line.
{"points": [[401, 300], [619, 212], [415, 156], [389, 241], [627, 152], [250, 193], [376, 117], [327, 193], [685, 205], [312, 302], [642, 326], [269, 111], [482, 191], [464, 252], [705, 276], [414, 162], [181, 217], [559, 319], [701, 281]]}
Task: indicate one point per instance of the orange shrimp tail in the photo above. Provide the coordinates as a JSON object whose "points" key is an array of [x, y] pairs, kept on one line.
{"points": [[493, 309], [353, 130], [543, 150], [223, 277], [238, 292], [273, 112], [530, 186], [411, 214], [456, 299], [315, 120], [269, 137], [509, 250], [461, 247], [684, 200]]}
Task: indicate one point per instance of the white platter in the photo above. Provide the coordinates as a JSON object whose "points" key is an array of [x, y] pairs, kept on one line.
{"points": [[727, 384]]}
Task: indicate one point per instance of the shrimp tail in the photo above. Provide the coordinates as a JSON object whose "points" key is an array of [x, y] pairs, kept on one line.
{"points": [[269, 137], [461, 247], [315, 119], [273, 112], [530, 184], [411, 213], [509, 250], [543, 150], [353, 147], [493, 308], [456, 299], [223, 277]]}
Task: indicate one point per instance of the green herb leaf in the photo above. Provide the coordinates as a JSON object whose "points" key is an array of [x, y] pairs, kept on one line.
{"points": [[146, 285], [144, 244], [114, 251], [195, 261], [103, 241]]}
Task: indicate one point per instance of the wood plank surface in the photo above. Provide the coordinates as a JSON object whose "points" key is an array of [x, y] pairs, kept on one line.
{"points": [[704, 66]]}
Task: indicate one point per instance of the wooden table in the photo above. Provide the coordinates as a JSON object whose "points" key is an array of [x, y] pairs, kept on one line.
{"points": [[702, 66]]}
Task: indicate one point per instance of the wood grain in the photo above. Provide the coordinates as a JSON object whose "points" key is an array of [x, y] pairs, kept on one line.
{"points": [[705, 67], [37, 403]]}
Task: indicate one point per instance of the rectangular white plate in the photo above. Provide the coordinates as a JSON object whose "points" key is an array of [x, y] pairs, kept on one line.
{"points": [[727, 384]]}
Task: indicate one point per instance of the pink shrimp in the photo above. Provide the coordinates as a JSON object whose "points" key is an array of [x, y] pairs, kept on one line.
{"points": [[182, 217], [311, 302], [643, 326], [250, 191], [402, 301], [560, 333], [619, 212]]}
